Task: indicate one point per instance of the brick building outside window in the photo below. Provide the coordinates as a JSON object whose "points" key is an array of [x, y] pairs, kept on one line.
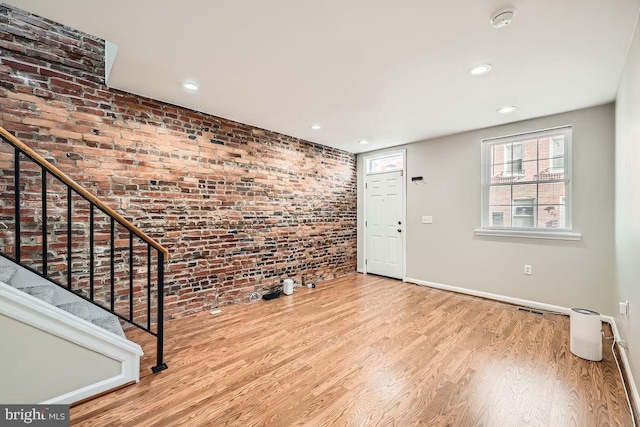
{"points": [[526, 181]]}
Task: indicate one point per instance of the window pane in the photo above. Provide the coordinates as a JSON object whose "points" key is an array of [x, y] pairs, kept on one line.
{"points": [[549, 174], [557, 153], [509, 161], [551, 216], [523, 213], [529, 150], [526, 191], [551, 193], [513, 158], [529, 170], [500, 216], [500, 195], [499, 157], [552, 154], [386, 164]]}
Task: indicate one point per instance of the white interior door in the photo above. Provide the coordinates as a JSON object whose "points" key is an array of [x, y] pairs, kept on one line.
{"points": [[384, 227]]}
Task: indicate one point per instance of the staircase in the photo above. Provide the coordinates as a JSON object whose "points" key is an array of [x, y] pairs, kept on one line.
{"points": [[48, 292], [67, 255]]}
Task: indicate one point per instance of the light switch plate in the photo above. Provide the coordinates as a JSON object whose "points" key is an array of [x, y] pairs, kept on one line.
{"points": [[624, 308], [427, 219]]}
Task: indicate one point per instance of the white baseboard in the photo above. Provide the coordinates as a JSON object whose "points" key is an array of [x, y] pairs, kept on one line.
{"points": [[496, 297], [89, 391], [360, 270], [635, 397]]}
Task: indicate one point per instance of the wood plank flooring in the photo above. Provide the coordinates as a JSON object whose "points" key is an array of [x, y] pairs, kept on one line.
{"points": [[367, 351]]}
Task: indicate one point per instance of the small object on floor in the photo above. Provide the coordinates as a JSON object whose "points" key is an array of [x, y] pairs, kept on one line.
{"points": [[216, 311], [272, 295], [287, 286], [274, 292], [311, 285]]}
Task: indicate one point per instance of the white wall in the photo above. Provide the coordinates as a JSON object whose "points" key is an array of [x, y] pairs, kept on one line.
{"points": [[565, 273], [38, 366], [627, 234]]}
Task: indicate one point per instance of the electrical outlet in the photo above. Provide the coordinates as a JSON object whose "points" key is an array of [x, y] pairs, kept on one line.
{"points": [[528, 270]]}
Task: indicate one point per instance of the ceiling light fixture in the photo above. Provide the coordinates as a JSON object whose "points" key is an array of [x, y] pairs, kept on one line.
{"points": [[363, 142], [480, 69], [507, 109], [190, 86], [503, 17], [315, 127]]}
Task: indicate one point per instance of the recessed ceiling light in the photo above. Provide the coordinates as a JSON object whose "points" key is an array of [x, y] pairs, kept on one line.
{"points": [[480, 69], [502, 18], [315, 127], [190, 86], [507, 109], [363, 142]]}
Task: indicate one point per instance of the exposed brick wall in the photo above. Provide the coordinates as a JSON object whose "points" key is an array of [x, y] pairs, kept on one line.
{"points": [[239, 208]]}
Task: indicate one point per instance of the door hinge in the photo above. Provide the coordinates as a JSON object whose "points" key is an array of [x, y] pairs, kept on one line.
{"points": [[365, 261], [365, 185], [401, 173], [365, 223]]}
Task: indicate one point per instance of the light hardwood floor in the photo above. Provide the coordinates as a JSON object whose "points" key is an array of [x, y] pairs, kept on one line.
{"points": [[367, 351]]}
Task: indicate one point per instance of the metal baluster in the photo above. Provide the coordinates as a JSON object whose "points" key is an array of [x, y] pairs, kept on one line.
{"points": [[113, 248], [45, 264], [160, 333], [91, 260], [17, 202], [130, 275], [69, 234], [148, 286]]}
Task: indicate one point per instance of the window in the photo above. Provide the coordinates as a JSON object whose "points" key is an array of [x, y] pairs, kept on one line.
{"points": [[556, 155], [386, 163], [526, 182], [513, 159], [523, 213]]}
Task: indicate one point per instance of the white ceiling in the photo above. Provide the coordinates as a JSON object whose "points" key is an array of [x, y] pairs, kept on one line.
{"points": [[390, 72]]}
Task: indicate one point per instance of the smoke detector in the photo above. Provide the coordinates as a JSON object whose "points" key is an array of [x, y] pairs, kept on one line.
{"points": [[502, 18]]}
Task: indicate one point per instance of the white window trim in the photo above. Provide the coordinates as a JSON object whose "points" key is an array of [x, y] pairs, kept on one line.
{"points": [[385, 155], [551, 235], [566, 233]]}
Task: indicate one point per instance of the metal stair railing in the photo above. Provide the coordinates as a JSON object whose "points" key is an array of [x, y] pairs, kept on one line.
{"points": [[116, 292]]}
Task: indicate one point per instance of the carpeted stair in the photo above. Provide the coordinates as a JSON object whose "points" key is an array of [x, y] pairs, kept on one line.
{"points": [[63, 299]]}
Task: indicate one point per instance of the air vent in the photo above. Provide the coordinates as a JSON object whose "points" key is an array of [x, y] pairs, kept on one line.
{"points": [[529, 310]]}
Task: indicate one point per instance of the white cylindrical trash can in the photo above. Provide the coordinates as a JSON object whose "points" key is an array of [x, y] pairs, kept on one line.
{"points": [[586, 334], [287, 286]]}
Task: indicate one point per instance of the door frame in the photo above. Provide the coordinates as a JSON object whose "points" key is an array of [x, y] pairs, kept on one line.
{"points": [[365, 162]]}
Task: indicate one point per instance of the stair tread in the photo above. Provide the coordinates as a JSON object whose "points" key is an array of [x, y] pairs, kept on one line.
{"points": [[42, 292], [77, 308], [111, 324], [63, 299], [6, 273]]}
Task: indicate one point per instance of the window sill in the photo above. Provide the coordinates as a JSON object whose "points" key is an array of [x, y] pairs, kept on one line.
{"points": [[550, 235]]}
